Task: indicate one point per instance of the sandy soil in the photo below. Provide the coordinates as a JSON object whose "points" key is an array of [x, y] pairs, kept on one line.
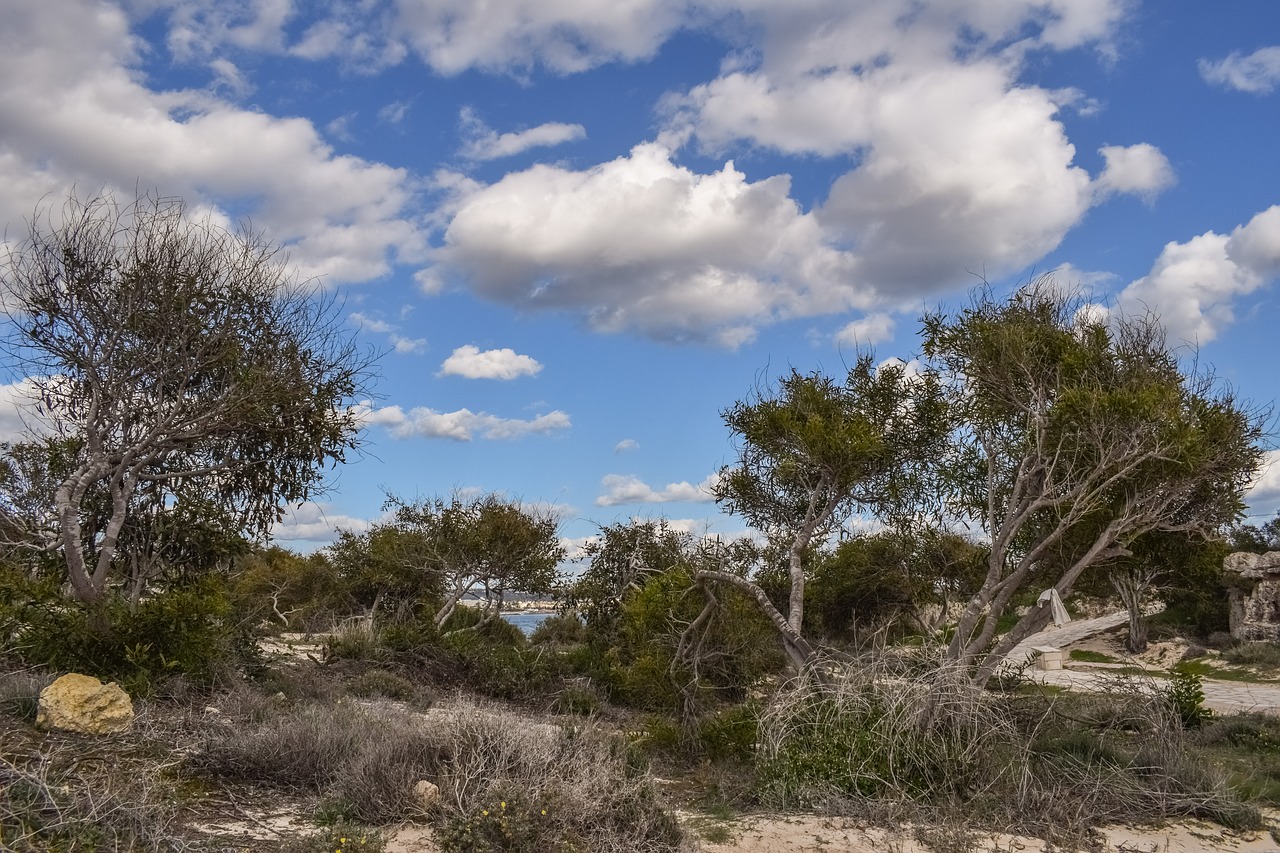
{"points": [[813, 834]]}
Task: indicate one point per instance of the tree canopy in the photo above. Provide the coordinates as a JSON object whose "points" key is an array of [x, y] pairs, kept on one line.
{"points": [[813, 451], [1077, 434], [171, 358]]}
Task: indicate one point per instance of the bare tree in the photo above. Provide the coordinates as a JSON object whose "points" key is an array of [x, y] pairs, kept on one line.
{"points": [[168, 352]]}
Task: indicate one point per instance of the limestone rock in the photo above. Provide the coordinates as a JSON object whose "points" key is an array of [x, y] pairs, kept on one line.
{"points": [[1255, 611], [80, 703], [426, 793], [1253, 566]]}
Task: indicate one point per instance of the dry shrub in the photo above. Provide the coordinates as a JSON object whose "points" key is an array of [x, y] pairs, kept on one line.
{"points": [[62, 793], [930, 747], [564, 788]]}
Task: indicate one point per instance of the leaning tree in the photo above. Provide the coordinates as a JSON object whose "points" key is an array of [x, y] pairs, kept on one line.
{"points": [[172, 357], [1078, 435]]}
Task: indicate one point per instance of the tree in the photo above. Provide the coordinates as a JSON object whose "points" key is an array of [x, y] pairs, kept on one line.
{"points": [[812, 453], [1254, 538], [1077, 437], [455, 547], [620, 561], [173, 356]]}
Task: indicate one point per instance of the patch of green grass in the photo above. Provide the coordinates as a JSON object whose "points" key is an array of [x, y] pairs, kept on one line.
{"points": [[715, 833], [1207, 669], [1089, 656]]}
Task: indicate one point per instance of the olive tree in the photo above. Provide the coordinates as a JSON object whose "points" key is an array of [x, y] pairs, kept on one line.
{"points": [[811, 453], [1077, 435], [171, 356]]}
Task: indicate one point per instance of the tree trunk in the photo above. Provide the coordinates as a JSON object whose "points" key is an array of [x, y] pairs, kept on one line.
{"points": [[798, 650]]}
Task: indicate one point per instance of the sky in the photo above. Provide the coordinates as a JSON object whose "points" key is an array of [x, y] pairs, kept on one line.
{"points": [[581, 229]]}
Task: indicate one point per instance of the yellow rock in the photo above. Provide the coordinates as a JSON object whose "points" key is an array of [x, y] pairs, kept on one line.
{"points": [[80, 703]]}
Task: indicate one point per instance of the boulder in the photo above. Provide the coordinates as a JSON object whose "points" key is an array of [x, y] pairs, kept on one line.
{"points": [[1255, 597], [80, 703], [426, 794]]}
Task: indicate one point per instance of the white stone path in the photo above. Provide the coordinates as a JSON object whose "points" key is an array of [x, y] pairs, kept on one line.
{"points": [[1221, 696]]}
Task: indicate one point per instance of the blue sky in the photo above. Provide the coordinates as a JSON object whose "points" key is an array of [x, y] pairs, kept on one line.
{"points": [[580, 230]]}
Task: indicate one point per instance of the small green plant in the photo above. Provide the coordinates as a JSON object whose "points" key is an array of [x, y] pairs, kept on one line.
{"points": [[1186, 694], [507, 825], [339, 837]]}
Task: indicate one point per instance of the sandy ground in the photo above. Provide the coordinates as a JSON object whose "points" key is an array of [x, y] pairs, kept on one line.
{"points": [[812, 834]]}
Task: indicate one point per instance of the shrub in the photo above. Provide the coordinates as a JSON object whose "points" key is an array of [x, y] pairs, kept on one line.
{"points": [[920, 746], [57, 796], [1254, 654], [367, 759], [187, 630], [1185, 695], [379, 683], [865, 737], [563, 629]]}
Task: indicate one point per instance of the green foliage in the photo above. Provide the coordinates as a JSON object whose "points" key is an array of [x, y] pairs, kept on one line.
{"points": [[1076, 438], [1254, 538], [290, 591], [186, 367], [620, 561], [563, 629], [505, 823], [379, 683], [730, 734], [187, 630], [881, 581], [1186, 695], [1259, 654]]}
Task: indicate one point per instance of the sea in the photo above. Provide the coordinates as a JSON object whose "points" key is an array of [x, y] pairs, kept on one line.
{"points": [[527, 622]]}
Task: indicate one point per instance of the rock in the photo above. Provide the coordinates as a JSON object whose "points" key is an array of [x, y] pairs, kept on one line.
{"points": [[426, 793], [1253, 566], [80, 703], [1255, 605]]}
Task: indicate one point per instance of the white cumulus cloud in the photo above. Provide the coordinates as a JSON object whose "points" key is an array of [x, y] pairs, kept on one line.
{"points": [[18, 417], [1263, 495], [642, 244], [470, 362], [1140, 169], [625, 445], [629, 489], [1258, 73], [72, 65], [315, 522], [1192, 286], [871, 329]]}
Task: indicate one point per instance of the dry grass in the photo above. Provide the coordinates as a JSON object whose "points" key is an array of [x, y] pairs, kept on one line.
{"points": [[71, 795], [928, 747], [577, 785]]}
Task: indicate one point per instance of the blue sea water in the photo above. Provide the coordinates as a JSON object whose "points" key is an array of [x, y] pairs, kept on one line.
{"points": [[527, 622]]}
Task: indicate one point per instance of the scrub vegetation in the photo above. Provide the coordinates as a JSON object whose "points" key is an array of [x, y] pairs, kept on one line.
{"points": [[375, 682]]}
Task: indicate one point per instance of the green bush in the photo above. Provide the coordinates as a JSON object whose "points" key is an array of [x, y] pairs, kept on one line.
{"points": [[731, 734], [563, 629], [379, 683], [187, 630], [505, 824], [1186, 695]]}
